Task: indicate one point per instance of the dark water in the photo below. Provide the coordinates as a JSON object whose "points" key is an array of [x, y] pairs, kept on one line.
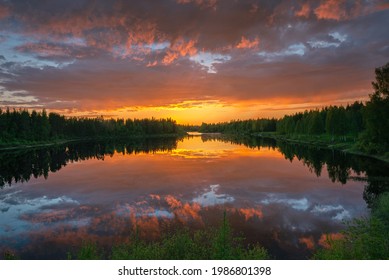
{"points": [[287, 197]]}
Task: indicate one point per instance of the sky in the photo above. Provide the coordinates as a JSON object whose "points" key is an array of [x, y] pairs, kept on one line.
{"points": [[192, 60]]}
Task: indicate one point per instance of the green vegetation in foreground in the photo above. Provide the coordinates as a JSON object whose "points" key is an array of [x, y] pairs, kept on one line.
{"points": [[219, 244], [364, 239]]}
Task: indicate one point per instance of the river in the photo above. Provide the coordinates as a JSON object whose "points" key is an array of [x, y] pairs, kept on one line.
{"points": [[289, 198]]}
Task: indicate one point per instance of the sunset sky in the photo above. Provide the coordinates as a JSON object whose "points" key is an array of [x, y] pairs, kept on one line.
{"points": [[192, 60]]}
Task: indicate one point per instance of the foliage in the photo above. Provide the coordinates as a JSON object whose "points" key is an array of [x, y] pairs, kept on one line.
{"points": [[9, 255], [21, 125], [333, 121], [182, 245], [376, 115], [240, 127], [89, 251], [366, 238]]}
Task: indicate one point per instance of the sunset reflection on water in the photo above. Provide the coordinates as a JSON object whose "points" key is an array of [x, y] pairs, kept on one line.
{"points": [[271, 200]]}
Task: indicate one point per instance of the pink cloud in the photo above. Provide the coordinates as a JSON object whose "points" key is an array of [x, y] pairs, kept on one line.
{"points": [[247, 44], [250, 213], [326, 239], [383, 6], [173, 202], [308, 242], [152, 64], [304, 11], [331, 9], [180, 48]]}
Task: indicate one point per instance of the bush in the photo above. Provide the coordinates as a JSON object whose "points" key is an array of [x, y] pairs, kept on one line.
{"points": [[183, 245], [364, 239]]}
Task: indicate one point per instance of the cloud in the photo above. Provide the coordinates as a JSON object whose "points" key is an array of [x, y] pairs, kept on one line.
{"points": [[295, 49], [247, 44], [309, 242], [346, 9], [58, 51], [251, 213], [304, 11], [23, 210], [325, 239], [212, 198], [88, 55], [179, 48], [297, 204], [338, 212], [210, 60], [331, 9]]}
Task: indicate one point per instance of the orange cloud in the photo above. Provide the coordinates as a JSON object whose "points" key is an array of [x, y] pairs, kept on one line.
{"points": [[188, 211], [247, 44], [308, 242], [179, 48], [149, 227], [152, 64], [325, 239], [155, 196], [250, 213], [383, 6], [331, 9], [304, 11], [173, 202]]}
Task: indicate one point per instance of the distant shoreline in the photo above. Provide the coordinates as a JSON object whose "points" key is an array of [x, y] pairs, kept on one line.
{"points": [[42, 144], [345, 147]]}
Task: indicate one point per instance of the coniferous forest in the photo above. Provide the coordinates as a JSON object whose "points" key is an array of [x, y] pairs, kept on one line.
{"points": [[364, 124], [21, 125]]}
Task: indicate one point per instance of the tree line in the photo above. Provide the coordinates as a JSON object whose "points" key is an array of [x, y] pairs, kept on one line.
{"points": [[334, 121], [21, 125], [22, 165], [366, 124], [240, 126]]}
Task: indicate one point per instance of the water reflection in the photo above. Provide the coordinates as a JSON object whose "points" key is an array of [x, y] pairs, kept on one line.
{"points": [[340, 166], [108, 190], [22, 165]]}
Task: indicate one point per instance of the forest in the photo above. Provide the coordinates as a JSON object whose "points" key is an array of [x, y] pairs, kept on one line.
{"points": [[21, 125], [366, 125]]}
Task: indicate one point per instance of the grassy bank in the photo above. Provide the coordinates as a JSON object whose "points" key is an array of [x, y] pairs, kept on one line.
{"points": [[364, 239]]}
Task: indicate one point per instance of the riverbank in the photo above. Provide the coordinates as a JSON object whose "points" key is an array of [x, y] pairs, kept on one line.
{"points": [[363, 239], [346, 144], [21, 145]]}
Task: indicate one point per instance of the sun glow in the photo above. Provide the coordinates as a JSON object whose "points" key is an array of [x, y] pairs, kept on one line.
{"points": [[195, 112]]}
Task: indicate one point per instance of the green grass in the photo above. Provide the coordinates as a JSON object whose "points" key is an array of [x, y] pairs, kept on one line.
{"points": [[364, 239], [218, 244]]}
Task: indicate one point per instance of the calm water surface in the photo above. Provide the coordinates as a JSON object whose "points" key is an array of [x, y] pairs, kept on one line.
{"points": [[286, 197]]}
